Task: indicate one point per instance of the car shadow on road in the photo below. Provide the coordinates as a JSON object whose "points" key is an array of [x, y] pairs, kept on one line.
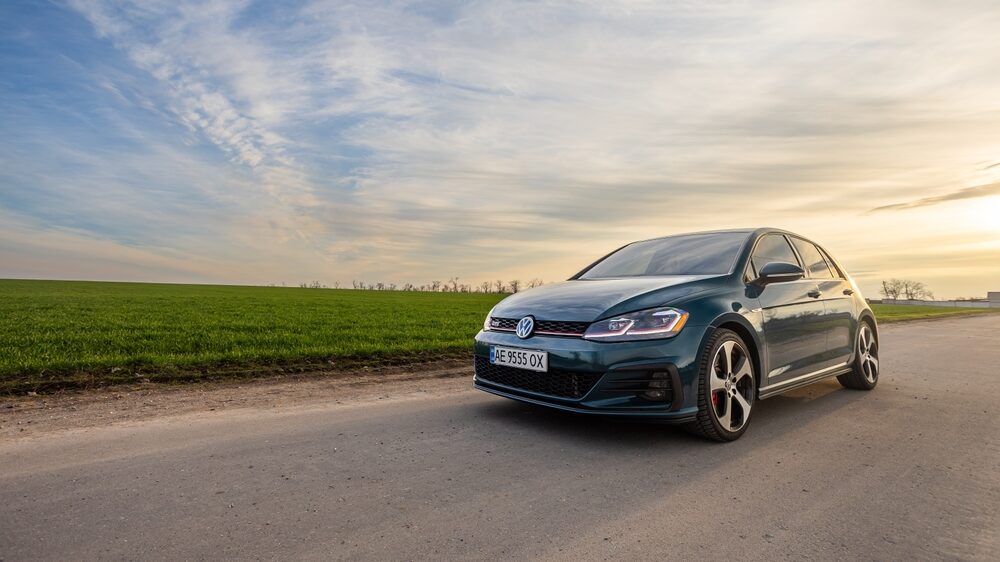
{"points": [[772, 418]]}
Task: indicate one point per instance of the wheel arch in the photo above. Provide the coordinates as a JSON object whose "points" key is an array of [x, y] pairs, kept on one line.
{"points": [[738, 324], [868, 316]]}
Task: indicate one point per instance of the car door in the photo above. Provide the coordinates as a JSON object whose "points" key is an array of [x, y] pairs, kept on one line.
{"points": [[835, 294], [793, 315], [840, 310]]}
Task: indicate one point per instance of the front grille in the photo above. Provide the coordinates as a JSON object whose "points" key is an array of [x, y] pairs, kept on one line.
{"points": [[556, 382], [503, 324], [544, 327], [562, 328]]}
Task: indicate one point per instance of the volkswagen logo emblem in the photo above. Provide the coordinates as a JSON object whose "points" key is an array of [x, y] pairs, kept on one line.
{"points": [[525, 327]]}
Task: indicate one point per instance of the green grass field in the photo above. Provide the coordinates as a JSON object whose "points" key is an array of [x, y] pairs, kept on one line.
{"points": [[62, 333], [57, 333], [888, 313]]}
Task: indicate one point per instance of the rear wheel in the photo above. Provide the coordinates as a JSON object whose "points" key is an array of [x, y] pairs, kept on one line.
{"points": [[726, 388], [864, 372]]}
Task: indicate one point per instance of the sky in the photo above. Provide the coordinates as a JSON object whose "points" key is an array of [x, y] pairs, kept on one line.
{"points": [[245, 142]]}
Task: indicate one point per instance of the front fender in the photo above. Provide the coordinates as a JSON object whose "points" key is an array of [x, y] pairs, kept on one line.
{"points": [[738, 310]]}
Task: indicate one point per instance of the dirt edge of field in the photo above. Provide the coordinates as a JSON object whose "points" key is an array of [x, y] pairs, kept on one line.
{"points": [[33, 415], [113, 376]]}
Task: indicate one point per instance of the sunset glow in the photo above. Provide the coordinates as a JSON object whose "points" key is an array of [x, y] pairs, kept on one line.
{"points": [[242, 142]]}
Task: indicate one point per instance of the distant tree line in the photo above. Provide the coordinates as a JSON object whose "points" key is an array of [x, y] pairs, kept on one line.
{"points": [[316, 285], [450, 286], [905, 289]]}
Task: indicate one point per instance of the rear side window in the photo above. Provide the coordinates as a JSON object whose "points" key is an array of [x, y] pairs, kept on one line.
{"points": [[772, 248], [815, 263], [837, 272]]}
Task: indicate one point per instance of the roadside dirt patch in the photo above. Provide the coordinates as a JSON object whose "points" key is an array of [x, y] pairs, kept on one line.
{"points": [[31, 416]]}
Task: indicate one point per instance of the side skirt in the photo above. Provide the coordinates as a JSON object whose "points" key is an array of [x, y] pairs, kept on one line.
{"points": [[803, 380]]}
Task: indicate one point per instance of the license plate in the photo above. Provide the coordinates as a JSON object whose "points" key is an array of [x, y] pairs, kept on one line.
{"points": [[520, 358]]}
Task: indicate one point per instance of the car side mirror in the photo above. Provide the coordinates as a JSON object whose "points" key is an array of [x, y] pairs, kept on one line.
{"points": [[779, 272]]}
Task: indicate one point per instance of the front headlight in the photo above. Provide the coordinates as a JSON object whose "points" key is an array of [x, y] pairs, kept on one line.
{"points": [[650, 324], [486, 323]]}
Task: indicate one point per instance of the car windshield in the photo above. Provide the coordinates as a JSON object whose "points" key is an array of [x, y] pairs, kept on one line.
{"points": [[688, 254]]}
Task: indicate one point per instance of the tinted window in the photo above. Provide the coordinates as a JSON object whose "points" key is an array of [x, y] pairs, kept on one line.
{"points": [[772, 248], [833, 266], [814, 262], [691, 254]]}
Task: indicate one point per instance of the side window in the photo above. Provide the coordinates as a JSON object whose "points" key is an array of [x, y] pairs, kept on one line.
{"points": [[772, 248], [815, 263], [833, 266]]}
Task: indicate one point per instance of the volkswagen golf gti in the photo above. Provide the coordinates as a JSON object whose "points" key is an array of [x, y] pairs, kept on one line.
{"points": [[691, 329]]}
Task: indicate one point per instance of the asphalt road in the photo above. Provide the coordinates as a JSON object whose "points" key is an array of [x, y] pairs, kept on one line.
{"points": [[909, 471]]}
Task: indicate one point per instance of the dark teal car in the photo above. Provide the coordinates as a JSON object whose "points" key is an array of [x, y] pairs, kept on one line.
{"points": [[691, 329]]}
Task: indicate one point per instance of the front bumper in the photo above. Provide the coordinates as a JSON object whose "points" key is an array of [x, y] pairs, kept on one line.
{"points": [[614, 365]]}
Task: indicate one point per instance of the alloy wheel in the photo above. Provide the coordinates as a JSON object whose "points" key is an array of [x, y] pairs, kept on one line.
{"points": [[732, 385], [868, 352]]}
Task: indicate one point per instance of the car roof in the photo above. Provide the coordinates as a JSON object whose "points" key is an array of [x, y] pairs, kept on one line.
{"points": [[751, 234], [701, 232], [759, 231]]}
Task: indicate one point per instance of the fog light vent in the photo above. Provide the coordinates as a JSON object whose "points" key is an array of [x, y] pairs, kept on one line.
{"points": [[659, 384]]}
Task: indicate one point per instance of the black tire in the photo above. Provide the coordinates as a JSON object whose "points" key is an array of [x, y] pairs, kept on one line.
{"points": [[865, 369], [708, 423]]}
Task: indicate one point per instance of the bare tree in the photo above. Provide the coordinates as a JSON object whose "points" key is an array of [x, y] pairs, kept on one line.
{"points": [[498, 286], [336, 284], [536, 282], [896, 289], [892, 288], [435, 285], [514, 285], [485, 286], [915, 290]]}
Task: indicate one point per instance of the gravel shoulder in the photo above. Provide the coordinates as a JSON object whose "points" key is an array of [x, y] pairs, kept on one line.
{"points": [[31, 416]]}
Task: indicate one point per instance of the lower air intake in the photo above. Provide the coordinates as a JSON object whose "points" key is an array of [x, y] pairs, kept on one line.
{"points": [[564, 384]]}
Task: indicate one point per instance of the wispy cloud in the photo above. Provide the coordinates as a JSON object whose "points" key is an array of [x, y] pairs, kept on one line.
{"points": [[967, 193], [410, 140]]}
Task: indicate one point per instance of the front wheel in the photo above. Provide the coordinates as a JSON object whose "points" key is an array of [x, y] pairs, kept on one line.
{"points": [[864, 372], [726, 388]]}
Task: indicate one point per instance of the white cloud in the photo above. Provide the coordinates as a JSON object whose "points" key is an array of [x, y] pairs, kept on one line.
{"points": [[400, 140]]}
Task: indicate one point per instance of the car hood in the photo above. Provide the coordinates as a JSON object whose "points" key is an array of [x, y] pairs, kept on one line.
{"points": [[587, 300]]}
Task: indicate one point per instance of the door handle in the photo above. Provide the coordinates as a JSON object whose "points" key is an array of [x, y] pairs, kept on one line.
{"points": [[815, 293], [848, 292]]}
